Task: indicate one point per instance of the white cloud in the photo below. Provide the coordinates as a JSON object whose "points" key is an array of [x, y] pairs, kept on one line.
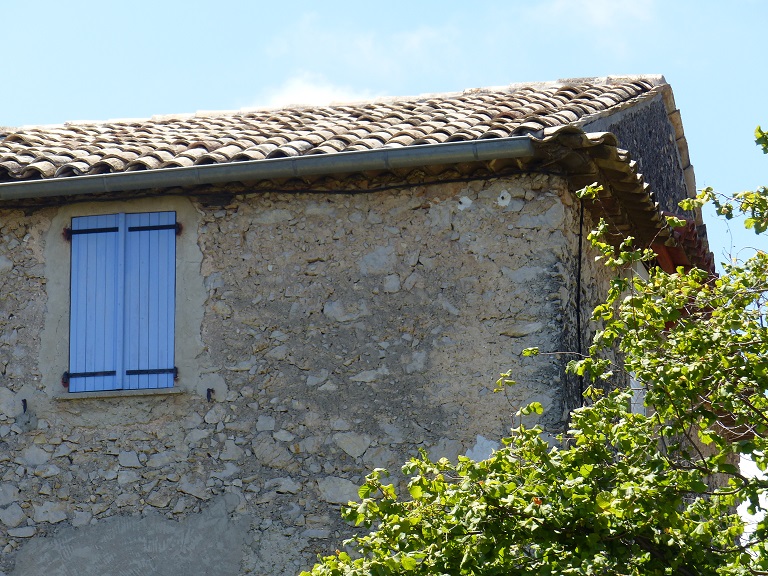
{"points": [[597, 14], [309, 89], [373, 55], [613, 26]]}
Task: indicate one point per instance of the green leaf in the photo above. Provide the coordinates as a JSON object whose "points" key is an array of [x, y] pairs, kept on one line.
{"points": [[604, 500], [761, 139], [675, 222], [364, 491], [590, 192], [532, 408]]}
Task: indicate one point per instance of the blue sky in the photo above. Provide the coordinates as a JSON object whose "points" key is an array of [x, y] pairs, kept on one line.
{"points": [[89, 60]]}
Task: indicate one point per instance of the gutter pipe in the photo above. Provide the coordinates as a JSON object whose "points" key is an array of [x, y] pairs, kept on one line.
{"points": [[275, 168]]}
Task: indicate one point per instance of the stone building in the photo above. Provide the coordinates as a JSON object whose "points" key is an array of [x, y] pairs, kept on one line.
{"points": [[213, 325]]}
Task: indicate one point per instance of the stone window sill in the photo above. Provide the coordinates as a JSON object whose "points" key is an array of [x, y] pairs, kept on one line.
{"points": [[119, 394]]}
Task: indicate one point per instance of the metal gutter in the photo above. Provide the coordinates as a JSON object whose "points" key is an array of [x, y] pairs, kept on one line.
{"points": [[276, 168]]}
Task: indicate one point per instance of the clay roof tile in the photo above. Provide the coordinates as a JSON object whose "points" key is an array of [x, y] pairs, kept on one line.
{"points": [[220, 137]]}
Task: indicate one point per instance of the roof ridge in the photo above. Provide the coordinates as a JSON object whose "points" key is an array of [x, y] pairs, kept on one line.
{"points": [[653, 79]]}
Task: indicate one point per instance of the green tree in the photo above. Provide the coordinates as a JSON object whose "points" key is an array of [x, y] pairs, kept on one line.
{"points": [[621, 493]]}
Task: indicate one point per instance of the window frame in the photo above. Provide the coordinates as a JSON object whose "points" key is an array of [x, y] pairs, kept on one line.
{"points": [[122, 311], [198, 372]]}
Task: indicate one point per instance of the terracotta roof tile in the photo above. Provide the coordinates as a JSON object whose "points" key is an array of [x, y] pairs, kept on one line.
{"points": [[221, 137], [250, 154], [401, 139]]}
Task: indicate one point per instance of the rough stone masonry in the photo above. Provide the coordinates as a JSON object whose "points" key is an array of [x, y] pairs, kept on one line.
{"points": [[334, 333]]}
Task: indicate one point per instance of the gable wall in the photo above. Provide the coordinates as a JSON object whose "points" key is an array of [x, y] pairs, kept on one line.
{"points": [[338, 333], [645, 131]]}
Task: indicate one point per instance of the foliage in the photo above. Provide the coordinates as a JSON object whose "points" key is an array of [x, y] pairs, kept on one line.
{"points": [[619, 493], [754, 205], [609, 503]]}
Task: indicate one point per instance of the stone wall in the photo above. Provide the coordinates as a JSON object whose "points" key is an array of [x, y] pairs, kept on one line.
{"points": [[340, 332], [647, 134]]}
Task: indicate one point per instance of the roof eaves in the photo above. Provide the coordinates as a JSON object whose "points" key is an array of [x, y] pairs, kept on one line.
{"points": [[626, 201], [585, 158], [383, 159]]}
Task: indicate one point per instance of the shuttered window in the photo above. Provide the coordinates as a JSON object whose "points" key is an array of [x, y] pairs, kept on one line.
{"points": [[122, 302]]}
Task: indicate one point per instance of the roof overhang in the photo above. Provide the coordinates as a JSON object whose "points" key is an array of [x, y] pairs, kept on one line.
{"points": [[626, 201]]}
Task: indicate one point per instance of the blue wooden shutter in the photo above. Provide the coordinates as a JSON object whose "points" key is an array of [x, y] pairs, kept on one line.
{"points": [[123, 285], [94, 347], [150, 288]]}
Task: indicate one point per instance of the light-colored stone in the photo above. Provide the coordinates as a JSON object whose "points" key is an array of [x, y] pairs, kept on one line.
{"points": [[482, 448], [549, 220], [35, 456], [10, 404], [194, 437], [368, 376], [380, 261], [381, 457], [520, 330], [273, 216], [394, 435], [222, 309], [215, 414], [47, 470], [311, 445], [81, 518], [270, 453], [417, 362], [124, 499], [231, 451], [345, 312], [319, 378], [352, 443], [522, 274], [412, 280], [283, 486], [161, 459], [244, 365], [194, 488], [51, 512], [159, 499], [127, 477], [230, 469], [12, 516], [318, 533], [283, 436], [129, 459], [265, 423], [445, 448], [23, 532], [278, 352], [340, 424], [6, 264], [9, 493], [64, 449], [392, 284], [335, 490]]}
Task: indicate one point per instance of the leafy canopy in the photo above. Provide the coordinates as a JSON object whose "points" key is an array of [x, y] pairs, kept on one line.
{"points": [[620, 493]]}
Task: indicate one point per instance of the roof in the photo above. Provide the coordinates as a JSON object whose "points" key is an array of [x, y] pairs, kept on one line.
{"points": [[76, 149], [521, 127]]}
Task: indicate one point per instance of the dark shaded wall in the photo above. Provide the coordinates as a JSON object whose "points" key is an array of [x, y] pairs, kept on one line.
{"points": [[647, 134]]}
